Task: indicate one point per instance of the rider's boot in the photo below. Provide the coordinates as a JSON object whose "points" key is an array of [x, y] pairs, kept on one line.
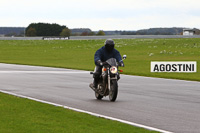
{"points": [[94, 85]]}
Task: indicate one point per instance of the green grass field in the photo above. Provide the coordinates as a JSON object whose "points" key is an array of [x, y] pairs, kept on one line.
{"points": [[20, 115], [79, 54]]}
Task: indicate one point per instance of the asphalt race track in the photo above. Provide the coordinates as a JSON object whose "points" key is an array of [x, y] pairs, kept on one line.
{"points": [[171, 105]]}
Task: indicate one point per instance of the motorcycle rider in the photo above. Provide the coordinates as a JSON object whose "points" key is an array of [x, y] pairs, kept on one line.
{"points": [[104, 53]]}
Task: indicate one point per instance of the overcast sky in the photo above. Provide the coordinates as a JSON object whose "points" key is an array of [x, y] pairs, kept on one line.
{"points": [[102, 14]]}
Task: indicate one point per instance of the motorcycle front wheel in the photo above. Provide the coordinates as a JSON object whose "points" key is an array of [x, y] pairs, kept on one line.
{"points": [[98, 96], [113, 90]]}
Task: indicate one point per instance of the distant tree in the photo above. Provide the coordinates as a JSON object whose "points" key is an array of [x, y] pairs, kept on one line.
{"points": [[45, 29], [31, 32], [101, 33], [65, 32], [85, 33]]}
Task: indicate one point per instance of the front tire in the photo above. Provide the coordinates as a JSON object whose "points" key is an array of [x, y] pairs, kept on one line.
{"points": [[98, 96], [113, 90]]}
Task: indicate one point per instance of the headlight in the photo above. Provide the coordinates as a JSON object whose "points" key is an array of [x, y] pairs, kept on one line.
{"points": [[113, 70]]}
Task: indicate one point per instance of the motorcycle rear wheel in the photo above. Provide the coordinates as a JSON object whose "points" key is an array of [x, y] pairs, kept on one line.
{"points": [[113, 90]]}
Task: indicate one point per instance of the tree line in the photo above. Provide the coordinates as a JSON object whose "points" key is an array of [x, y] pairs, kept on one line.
{"points": [[155, 31], [46, 29]]}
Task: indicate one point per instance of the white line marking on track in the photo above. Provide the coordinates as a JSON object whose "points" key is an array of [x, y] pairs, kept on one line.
{"points": [[87, 112]]}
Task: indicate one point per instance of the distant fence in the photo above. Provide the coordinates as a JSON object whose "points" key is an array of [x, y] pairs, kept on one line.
{"points": [[101, 37]]}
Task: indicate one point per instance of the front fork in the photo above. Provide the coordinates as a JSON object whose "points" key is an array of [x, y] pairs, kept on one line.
{"points": [[108, 80]]}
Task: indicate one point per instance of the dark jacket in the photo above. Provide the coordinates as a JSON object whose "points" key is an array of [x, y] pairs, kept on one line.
{"points": [[103, 55]]}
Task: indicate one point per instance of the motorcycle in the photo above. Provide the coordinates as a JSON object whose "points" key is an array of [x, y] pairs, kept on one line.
{"points": [[108, 82]]}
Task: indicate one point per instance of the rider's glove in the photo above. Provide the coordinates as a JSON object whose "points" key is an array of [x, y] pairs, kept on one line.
{"points": [[100, 63], [121, 64], [105, 63]]}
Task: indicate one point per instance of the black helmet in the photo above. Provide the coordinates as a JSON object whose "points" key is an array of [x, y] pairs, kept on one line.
{"points": [[109, 45]]}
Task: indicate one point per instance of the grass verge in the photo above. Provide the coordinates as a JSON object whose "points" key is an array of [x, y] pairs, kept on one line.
{"points": [[79, 54], [19, 115]]}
